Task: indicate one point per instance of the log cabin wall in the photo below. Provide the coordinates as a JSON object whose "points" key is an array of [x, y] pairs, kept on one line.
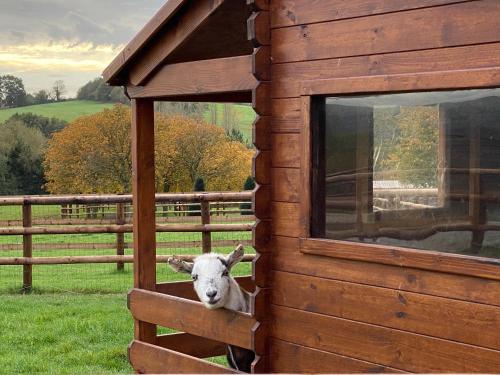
{"points": [[336, 313]]}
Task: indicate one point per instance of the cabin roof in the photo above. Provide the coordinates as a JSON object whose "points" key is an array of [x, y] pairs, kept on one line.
{"points": [[182, 31], [131, 50]]}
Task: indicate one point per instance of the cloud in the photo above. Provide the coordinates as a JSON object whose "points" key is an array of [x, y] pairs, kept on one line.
{"points": [[71, 39]]}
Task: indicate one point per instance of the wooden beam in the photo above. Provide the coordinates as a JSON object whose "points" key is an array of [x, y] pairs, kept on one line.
{"points": [[191, 317], [150, 359], [174, 37], [194, 346], [143, 186], [225, 75], [130, 51]]}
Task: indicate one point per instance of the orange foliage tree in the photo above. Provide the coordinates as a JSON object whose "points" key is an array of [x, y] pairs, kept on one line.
{"points": [[92, 155]]}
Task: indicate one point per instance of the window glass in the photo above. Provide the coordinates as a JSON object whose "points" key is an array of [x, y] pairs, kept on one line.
{"points": [[419, 170]]}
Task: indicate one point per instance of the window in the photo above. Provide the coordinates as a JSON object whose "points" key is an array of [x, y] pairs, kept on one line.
{"points": [[419, 170]]}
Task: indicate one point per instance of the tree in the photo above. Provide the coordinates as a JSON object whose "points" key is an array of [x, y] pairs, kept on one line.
{"points": [[58, 90], [21, 154], [100, 91], [47, 126], [413, 157], [195, 209], [42, 97], [97, 148], [193, 110], [12, 92]]}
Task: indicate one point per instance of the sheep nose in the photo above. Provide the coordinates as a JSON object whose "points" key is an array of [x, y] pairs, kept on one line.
{"points": [[211, 293]]}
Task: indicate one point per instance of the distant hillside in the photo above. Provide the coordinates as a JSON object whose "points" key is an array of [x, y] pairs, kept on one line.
{"points": [[70, 110], [67, 111]]}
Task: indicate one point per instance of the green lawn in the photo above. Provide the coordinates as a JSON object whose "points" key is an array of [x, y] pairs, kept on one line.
{"points": [[245, 118], [67, 111]]}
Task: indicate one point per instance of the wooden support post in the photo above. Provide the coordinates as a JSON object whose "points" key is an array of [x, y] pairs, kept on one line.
{"points": [[143, 186], [120, 237], [27, 249], [206, 237]]}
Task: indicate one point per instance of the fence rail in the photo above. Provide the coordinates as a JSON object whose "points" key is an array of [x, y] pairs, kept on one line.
{"points": [[111, 214]]}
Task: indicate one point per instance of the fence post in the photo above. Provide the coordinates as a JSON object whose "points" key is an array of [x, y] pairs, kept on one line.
{"points": [[120, 237], [206, 237], [27, 249]]}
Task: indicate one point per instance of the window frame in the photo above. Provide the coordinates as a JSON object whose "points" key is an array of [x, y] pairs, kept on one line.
{"points": [[312, 92]]}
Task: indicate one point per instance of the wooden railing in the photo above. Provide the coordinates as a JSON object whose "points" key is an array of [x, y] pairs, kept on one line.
{"points": [[84, 214]]}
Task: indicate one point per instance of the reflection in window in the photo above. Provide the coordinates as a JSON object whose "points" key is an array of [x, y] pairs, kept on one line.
{"points": [[420, 170]]}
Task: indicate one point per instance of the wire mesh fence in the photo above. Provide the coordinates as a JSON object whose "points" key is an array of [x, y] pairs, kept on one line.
{"points": [[90, 240]]}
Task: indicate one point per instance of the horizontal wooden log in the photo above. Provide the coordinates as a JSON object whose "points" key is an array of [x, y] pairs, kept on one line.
{"points": [[127, 228], [288, 258], [225, 75], [287, 78], [191, 317], [300, 12], [466, 322], [185, 289], [465, 23], [98, 259], [403, 257], [194, 346], [151, 359], [385, 346], [127, 198], [288, 358], [453, 79], [104, 246]]}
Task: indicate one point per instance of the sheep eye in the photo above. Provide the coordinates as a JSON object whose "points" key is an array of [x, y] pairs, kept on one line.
{"points": [[225, 273], [195, 277]]}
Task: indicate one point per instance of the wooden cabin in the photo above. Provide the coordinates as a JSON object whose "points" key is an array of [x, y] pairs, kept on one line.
{"points": [[378, 170]]}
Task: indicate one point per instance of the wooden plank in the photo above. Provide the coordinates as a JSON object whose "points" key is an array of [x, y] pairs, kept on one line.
{"points": [[261, 203], [286, 114], [259, 29], [287, 219], [403, 257], [261, 63], [287, 78], [389, 347], [191, 317], [27, 248], [261, 133], [130, 51], [291, 358], [144, 206], [261, 99], [261, 235], [466, 322], [286, 184], [458, 24], [262, 167], [185, 289], [151, 359], [194, 346], [286, 150], [288, 258], [459, 79], [299, 12], [206, 237], [171, 39], [230, 74]]}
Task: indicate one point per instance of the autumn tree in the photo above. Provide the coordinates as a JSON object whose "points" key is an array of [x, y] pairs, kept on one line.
{"points": [[92, 155], [413, 155]]}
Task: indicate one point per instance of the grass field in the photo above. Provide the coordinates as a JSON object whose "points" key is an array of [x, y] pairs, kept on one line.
{"points": [[245, 118], [67, 111], [75, 321]]}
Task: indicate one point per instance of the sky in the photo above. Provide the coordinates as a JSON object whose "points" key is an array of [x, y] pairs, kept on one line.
{"points": [[42, 41]]}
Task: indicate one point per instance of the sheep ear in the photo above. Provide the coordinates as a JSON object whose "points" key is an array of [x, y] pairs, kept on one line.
{"points": [[235, 256], [179, 265]]}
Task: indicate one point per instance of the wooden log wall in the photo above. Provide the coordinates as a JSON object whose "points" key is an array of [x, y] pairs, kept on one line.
{"points": [[258, 27], [336, 313]]}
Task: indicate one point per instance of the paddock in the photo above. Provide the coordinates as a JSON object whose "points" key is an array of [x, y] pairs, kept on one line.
{"points": [[354, 98]]}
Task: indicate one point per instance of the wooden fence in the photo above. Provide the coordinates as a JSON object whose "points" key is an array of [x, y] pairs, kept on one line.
{"points": [[84, 214]]}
